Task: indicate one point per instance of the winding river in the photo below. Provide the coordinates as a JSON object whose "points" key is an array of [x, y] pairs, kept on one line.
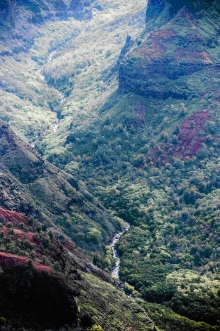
{"points": [[115, 270]]}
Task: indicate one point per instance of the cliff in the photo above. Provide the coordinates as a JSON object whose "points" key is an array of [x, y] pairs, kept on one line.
{"points": [[180, 45]]}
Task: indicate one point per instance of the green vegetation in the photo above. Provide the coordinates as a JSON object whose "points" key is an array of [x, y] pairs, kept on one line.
{"points": [[148, 151], [110, 308], [63, 287], [155, 161], [170, 321], [49, 75]]}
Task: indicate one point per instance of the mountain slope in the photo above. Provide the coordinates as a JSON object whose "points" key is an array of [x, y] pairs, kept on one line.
{"points": [[46, 70], [180, 58], [150, 152], [47, 283], [35, 187], [155, 151]]}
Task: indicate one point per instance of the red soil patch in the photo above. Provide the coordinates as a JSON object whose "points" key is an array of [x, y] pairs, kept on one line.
{"points": [[140, 113], [190, 139], [19, 234], [186, 15], [153, 51], [72, 248], [11, 259], [164, 34], [24, 235], [42, 267], [12, 216], [69, 246], [192, 56]]}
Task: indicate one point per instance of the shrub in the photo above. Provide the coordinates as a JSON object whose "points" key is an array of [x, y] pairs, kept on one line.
{"points": [[96, 327]]}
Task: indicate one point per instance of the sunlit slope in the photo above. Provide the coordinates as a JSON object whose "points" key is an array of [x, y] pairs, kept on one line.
{"points": [[61, 67]]}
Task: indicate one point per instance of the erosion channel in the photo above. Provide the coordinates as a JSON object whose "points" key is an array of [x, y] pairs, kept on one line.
{"points": [[115, 270]]}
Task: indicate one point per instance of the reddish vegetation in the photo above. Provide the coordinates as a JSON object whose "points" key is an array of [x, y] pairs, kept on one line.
{"points": [[12, 216], [140, 113], [11, 259], [188, 140], [19, 234], [42, 267], [186, 15], [192, 56], [155, 51], [24, 235], [26, 239], [188, 143], [69, 246], [165, 34]]}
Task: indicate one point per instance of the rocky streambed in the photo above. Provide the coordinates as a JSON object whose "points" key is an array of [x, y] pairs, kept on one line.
{"points": [[115, 270]]}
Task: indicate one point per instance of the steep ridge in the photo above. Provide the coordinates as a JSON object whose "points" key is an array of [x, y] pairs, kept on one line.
{"points": [[183, 47], [46, 283], [46, 280], [35, 187]]}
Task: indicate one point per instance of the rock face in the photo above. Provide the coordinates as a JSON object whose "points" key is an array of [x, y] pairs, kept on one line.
{"points": [[180, 45]]}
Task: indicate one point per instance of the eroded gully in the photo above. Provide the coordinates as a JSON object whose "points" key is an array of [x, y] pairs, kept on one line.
{"points": [[115, 270]]}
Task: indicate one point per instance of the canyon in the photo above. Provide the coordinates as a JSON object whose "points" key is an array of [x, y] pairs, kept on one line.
{"points": [[109, 112]]}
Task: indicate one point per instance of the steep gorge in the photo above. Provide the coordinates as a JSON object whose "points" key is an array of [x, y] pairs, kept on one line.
{"points": [[46, 280], [149, 151], [153, 156]]}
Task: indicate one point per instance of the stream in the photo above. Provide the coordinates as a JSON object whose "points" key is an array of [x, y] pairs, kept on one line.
{"points": [[115, 270]]}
